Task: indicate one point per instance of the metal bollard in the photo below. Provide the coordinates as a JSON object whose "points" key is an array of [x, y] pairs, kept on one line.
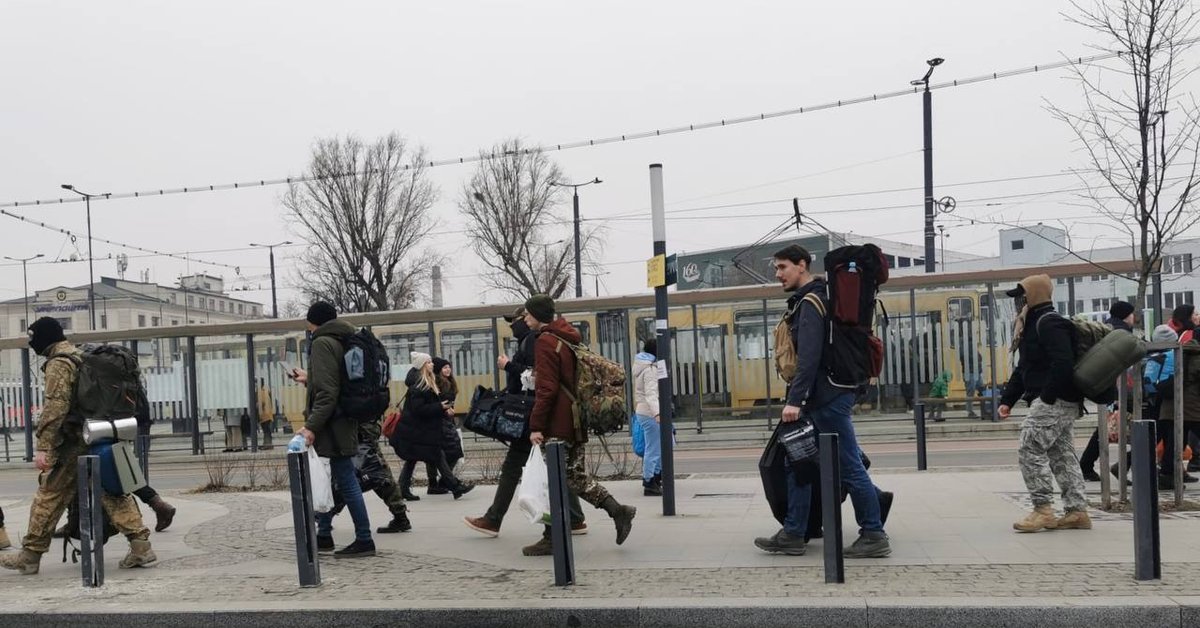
{"points": [[91, 521], [143, 451], [919, 417], [831, 508], [560, 518], [1147, 544], [302, 519]]}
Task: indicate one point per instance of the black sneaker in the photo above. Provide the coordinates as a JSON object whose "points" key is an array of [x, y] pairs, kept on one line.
{"points": [[1189, 478], [357, 549], [463, 489], [781, 543], [324, 543], [1194, 465], [399, 523], [437, 490], [1090, 475], [409, 496], [650, 489], [869, 545]]}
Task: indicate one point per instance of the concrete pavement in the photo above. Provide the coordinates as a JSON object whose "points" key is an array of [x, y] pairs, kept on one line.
{"points": [[229, 559]]}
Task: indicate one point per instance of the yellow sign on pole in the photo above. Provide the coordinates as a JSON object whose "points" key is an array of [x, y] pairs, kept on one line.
{"points": [[656, 271]]}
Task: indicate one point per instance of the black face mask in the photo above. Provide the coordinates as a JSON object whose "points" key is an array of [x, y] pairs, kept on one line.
{"points": [[520, 329]]}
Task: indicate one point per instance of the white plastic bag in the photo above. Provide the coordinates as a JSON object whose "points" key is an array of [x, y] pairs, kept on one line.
{"points": [[322, 484], [533, 496]]}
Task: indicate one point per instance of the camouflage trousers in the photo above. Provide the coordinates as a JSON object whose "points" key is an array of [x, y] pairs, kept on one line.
{"points": [[388, 491], [579, 480], [57, 488], [1047, 453]]}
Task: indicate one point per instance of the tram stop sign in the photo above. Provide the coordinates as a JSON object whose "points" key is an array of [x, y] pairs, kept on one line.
{"points": [[661, 270]]}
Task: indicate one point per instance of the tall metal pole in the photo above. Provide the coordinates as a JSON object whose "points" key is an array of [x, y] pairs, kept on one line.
{"points": [[578, 262], [87, 199], [25, 282], [927, 106], [663, 332], [274, 299]]}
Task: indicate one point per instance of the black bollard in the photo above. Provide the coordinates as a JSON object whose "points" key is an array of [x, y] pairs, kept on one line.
{"points": [[919, 418], [560, 518], [831, 508], [143, 452], [302, 519], [1147, 544], [91, 521]]}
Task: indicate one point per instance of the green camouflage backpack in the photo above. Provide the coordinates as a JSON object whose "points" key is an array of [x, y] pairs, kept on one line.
{"points": [[598, 401], [1086, 332]]}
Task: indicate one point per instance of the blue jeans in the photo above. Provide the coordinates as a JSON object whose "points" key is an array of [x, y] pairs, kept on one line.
{"points": [[652, 460], [835, 418], [345, 486]]}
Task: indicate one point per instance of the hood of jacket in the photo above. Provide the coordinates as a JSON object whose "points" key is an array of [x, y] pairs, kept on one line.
{"points": [[412, 378], [645, 357], [1039, 289], [337, 328], [641, 362], [561, 328]]}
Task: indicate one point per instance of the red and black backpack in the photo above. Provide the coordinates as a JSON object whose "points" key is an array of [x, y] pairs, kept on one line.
{"points": [[853, 354]]}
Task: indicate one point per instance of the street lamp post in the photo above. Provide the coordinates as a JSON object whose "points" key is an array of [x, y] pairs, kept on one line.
{"points": [[271, 249], [578, 261], [927, 117], [87, 199], [25, 279]]}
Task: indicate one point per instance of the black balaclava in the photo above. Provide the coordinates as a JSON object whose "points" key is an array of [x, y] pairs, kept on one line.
{"points": [[519, 329], [44, 333]]}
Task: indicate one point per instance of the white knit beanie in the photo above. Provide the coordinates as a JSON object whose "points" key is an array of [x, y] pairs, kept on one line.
{"points": [[419, 359]]}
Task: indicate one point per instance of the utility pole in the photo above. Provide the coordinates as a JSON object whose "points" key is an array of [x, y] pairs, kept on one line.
{"points": [[87, 199], [578, 258], [25, 277], [663, 334], [930, 209], [271, 250]]}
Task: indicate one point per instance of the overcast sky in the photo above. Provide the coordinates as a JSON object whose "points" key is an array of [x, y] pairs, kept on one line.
{"points": [[128, 96]]}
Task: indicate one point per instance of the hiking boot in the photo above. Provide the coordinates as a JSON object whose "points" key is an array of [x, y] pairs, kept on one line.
{"points": [[1089, 474], [885, 505], [869, 545], [650, 489], [781, 543], [357, 549], [542, 548], [462, 489], [483, 526], [408, 496], [4, 542], [1074, 520], [579, 529], [399, 523], [61, 532], [163, 512], [1042, 518], [140, 555], [623, 518], [324, 543], [25, 562]]}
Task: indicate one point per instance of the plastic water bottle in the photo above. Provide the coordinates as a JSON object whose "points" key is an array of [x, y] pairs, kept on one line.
{"points": [[297, 443], [853, 267]]}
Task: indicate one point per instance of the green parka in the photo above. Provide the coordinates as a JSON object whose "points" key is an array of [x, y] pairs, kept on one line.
{"points": [[336, 436]]}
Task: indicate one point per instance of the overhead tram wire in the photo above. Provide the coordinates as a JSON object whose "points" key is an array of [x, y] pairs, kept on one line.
{"points": [[615, 139]]}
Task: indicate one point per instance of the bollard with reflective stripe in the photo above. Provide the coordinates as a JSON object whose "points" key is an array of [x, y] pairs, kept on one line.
{"points": [[302, 519], [1147, 544], [831, 508], [560, 518], [919, 418], [91, 521]]}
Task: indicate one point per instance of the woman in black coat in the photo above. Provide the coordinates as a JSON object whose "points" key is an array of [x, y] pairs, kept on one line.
{"points": [[420, 436], [448, 393]]}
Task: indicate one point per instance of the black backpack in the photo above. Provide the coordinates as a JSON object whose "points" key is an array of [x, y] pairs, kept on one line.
{"points": [[853, 354], [366, 372], [108, 385]]}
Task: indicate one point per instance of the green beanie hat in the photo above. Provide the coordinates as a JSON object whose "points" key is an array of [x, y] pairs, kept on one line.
{"points": [[541, 307]]}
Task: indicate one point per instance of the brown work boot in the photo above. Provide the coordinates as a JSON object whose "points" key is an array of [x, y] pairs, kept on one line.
{"points": [[1042, 518], [140, 555], [5, 543], [542, 548], [1074, 520], [26, 562], [164, 512]]}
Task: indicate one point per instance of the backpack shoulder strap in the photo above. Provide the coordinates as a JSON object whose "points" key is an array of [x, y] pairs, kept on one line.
{"points": [[816, 301]]}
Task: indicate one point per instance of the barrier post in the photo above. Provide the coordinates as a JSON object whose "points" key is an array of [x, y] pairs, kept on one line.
{"points": [[307, 561], [560, 518], [919, 417], [91, 521], [831, 508], [1147, 544]]}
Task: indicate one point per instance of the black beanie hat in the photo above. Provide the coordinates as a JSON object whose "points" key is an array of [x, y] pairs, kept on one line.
{"points": [[1120, 310], [541, 307], [43, 333], [321, 313]]}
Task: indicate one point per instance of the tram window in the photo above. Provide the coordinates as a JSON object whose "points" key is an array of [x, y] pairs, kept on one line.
{"points": [[748, 328], [399, 346], [960, 308], [585, 329], [469, 350], [645, 329]]}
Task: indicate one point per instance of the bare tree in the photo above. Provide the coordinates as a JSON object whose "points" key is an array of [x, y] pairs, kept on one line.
{"points": [[509, 204], [1131, 143], [364, 210]]}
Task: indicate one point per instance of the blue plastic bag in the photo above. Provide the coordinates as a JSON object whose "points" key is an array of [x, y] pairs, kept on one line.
{"points": [[639, 439]]}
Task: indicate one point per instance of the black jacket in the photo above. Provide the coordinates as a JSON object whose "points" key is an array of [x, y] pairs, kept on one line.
{"points": [[420, 435], [520, 362], [1047, 360], [810, 385]]}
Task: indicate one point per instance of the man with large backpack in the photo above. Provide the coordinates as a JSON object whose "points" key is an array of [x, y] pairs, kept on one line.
{"points": [[330, 429], [555, 411], [59, 445], [814, 390], [1044, 379]]}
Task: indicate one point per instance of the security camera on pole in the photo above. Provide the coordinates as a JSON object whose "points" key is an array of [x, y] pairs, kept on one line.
{"points": [[659, 277]]}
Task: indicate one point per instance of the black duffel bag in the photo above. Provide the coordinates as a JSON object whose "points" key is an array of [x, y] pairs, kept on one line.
{"points": [[504, 417]]}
